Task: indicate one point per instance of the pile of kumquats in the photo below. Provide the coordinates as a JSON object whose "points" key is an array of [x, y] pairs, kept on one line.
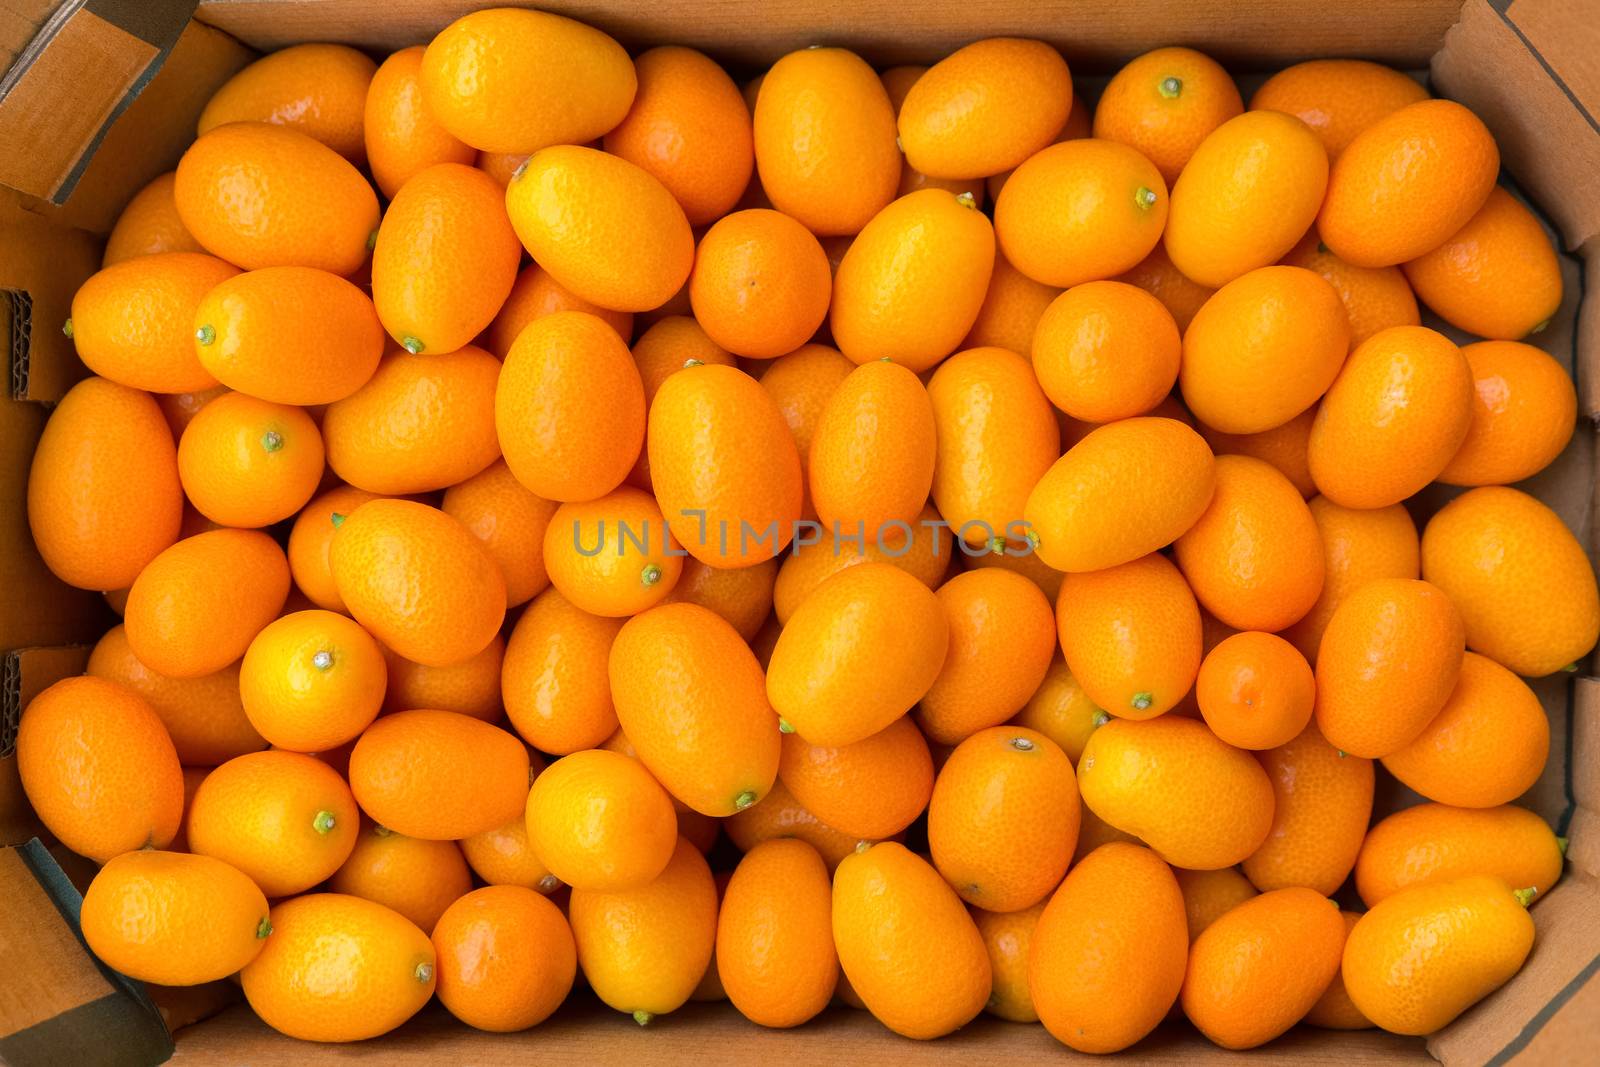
{"points": [[974, 519]]}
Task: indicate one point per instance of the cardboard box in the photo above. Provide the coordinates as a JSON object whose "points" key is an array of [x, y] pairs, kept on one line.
{"points": [[101, 95]]}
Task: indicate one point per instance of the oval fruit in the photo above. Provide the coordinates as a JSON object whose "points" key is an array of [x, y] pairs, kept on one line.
{"points": [[1009, 939], [312, 680], [597, 820], [98, 768], [417, 878], [1209, 895], [612, 556], [510, 521], [1124, 491], [401, 135], [910, 285], [1322, 805], [1337, 98], [318, 89], [775, 955], [311, 538], [1358, 546], [690, 697], [506, 958], [760, 285], [1389, 659], [149, 225], [249, 463], [1255, 691], [1164, 103], [438, 775], [1375, 298], [554, 682], [1246, 196], [103, 492], [1201, 804], [1109, 952], [1438, 843], [906, 943], [869, 789], [873, 451], [1106, 350], [1523, 412], [133, 323], [1522, 582]]}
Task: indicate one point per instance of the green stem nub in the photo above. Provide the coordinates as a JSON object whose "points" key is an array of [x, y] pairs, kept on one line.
{"points": [[1033, 540], [337, 518], [271, 441], [1170, 87], [424, 972], [372, 240], [1101, 718], [411, 344], [785, 726], [66, 328], [1022, 744], [205, 334], [1561, 844], [549, 884], [744, 800], [1342, 753], [381, 831], [1525, 896], [862, 846], [997, 546], [1571, 668], [263, 928], [643, 1017], [322, 660], [967, 200], [1144, 197], [651, 574], [323, 822], [1536, 329], [1141, 701]]}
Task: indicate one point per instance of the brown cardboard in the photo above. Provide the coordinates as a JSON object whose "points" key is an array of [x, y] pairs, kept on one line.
{"points": [[1528, 66]]}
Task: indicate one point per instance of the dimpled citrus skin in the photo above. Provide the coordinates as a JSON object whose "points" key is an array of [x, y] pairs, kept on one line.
{"points": [[1255, 691], [1439, 843], [1323, 802], [1334, 1010], [1156, 275], [248, 463], [1209, 895], [259, 195], [1060, 710], [742, 597], [439, 775], [420, 423], [1374, 298], [1496, 277], [1407, 182], [481, 71], [310, 539], [132, 323], [173, 918], [1357, 547], [1003, 819], [1246, 196], [801, 383], [1079, 121], [1254, 557], [339, 968], [569, 407], [444, 259], [401, 136], [1263, 349], [1284, 447], [1487, 746], [417, 878], [602, 227], [149, 225], [775, 954], [1010, 310], [672, 343], [557, 693], [318, 89], [1257, 970], [985, 108], [1165, 103], [203, 715], [926, 557], [760, 285], [1337, 98], [1131, 635], [1109, 951], [1009, 938], [1420, 958], [312, 680], [292, 335], [98, 768], [857, 653], [103, 491], [910, 285], [471, 687], [1393, 419], [1389, 658], [1520, 579], [645, 949], [418, 581], [996, 436], [690, 128], [873, 451], [534, 295], [506, 958], [285, 819], [505, 856], [779, 815], [689, 694], [869, 789], [1126, 489], [597, 820], [1002, 634], [196, 606], [510, 521], [825, 140], [725, 467], [1115, 208], [1523, 414], [906, 944], [1198, 802], [1106, 350]]}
